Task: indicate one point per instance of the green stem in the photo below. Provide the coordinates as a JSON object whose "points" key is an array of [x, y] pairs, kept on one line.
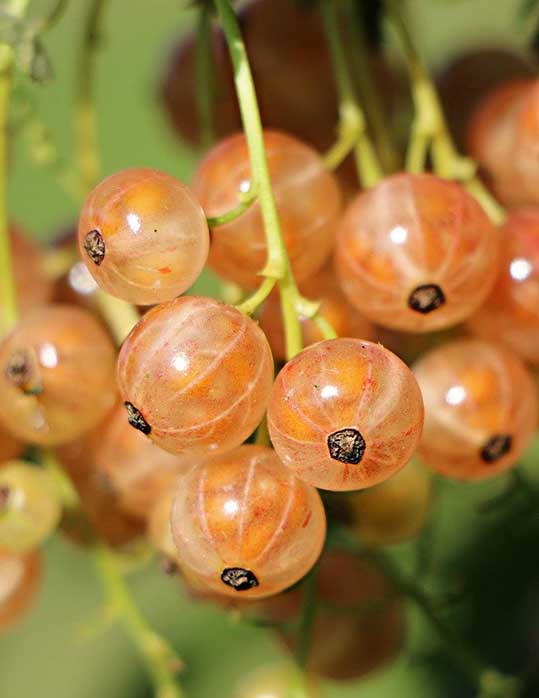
{"points": [[250, 304], [246, 201], [85, 116], [161, 660], [324, 326], [430, 129], [68, 493], [352, 127], [278, 264], [205, 76]]}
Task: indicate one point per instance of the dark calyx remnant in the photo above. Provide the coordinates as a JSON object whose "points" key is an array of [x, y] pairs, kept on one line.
{"points": [[95, 246], [169, 566], [426, 298], [239, 578], [135, 418], [496, 447], [22, 371], [346, 446]]}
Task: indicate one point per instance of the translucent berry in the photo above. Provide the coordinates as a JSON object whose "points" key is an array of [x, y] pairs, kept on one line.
{"points": [[30, 507], [345, 414], [56, 375], [143, 236], [511, 312], [394, 511], [101, 504], [136, 468], [359, 620], [416, 253], [334, 307], [20, 579], [195, 376], [34, 287], [480, 409], [159, 529], [243, 524], [276, 681], [307, 197]]}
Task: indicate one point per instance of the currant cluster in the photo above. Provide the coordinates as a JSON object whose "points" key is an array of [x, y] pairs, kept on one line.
{"points": [[165, 438]]}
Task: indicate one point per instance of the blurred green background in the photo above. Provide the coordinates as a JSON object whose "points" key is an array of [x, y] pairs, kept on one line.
{"points": [[494, 555]]}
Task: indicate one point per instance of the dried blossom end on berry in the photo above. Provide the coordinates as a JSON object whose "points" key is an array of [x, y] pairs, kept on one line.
{"points": [[95, 246], [136, 419], [238, 578], [496, 447], [346, 446], [426, 298]]}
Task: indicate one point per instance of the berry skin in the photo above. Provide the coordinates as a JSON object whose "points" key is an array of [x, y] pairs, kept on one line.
{"points": [[20, 579], [334, 307], [511, 312], [195, 376], [159, 530], [244, 525], [359, 622], [394, 511], [416, 253], [30, 507], [56, 375], [307, 197], [143, 236], [345, 414], [480, 409], [137, 469]]}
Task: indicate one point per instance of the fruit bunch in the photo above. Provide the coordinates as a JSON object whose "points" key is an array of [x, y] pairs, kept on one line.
{"points": [[271, 448]]}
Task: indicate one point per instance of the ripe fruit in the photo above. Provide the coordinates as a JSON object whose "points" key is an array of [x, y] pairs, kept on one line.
{"points": [[334, 307], [480, 409], [56, 375], [159, 530], [359, 620], [20, 579], [345, 414], [394, 511], [416, 253], [244, 524], [30, 507], [469, 76], [195, 376], [307, 197], [136, 468], [511, 312], [143, 236], [32, 283]]}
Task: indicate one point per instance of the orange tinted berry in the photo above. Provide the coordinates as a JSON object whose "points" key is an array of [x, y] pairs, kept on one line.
{"points": [[243, 523], [20, 579], [416, 253], [345, 414], [195, 375], [394, 511], [143, 236], [511, 312], [56, 375], [334, 307], [480, 409], [307, 197]]}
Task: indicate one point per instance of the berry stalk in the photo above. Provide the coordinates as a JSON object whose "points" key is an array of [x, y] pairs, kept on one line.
{"points": [[429, 129], [352, 127]]}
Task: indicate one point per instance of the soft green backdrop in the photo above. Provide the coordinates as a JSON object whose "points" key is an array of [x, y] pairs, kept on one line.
{"points": [[46, 656]]}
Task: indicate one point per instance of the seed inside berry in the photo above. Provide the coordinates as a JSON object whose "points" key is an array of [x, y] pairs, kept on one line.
{"points": [[239, 578], [496, 447], [95, 246], [346, 446], [136, 419], [426, 298]]}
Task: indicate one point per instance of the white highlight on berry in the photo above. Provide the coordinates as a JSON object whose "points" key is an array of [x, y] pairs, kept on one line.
{"points": [[181, 362], [520, 269], [398, 235], [231, 506], [133, 221], [329, 391], [455, 395], [48, 356]]}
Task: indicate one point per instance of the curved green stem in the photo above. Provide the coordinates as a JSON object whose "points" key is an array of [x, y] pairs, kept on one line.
{"points": [[161, 661], [324, 326], [246, 201], [250, 304], [429, 130], [278, 265], [352, 127], [85, 117]]}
